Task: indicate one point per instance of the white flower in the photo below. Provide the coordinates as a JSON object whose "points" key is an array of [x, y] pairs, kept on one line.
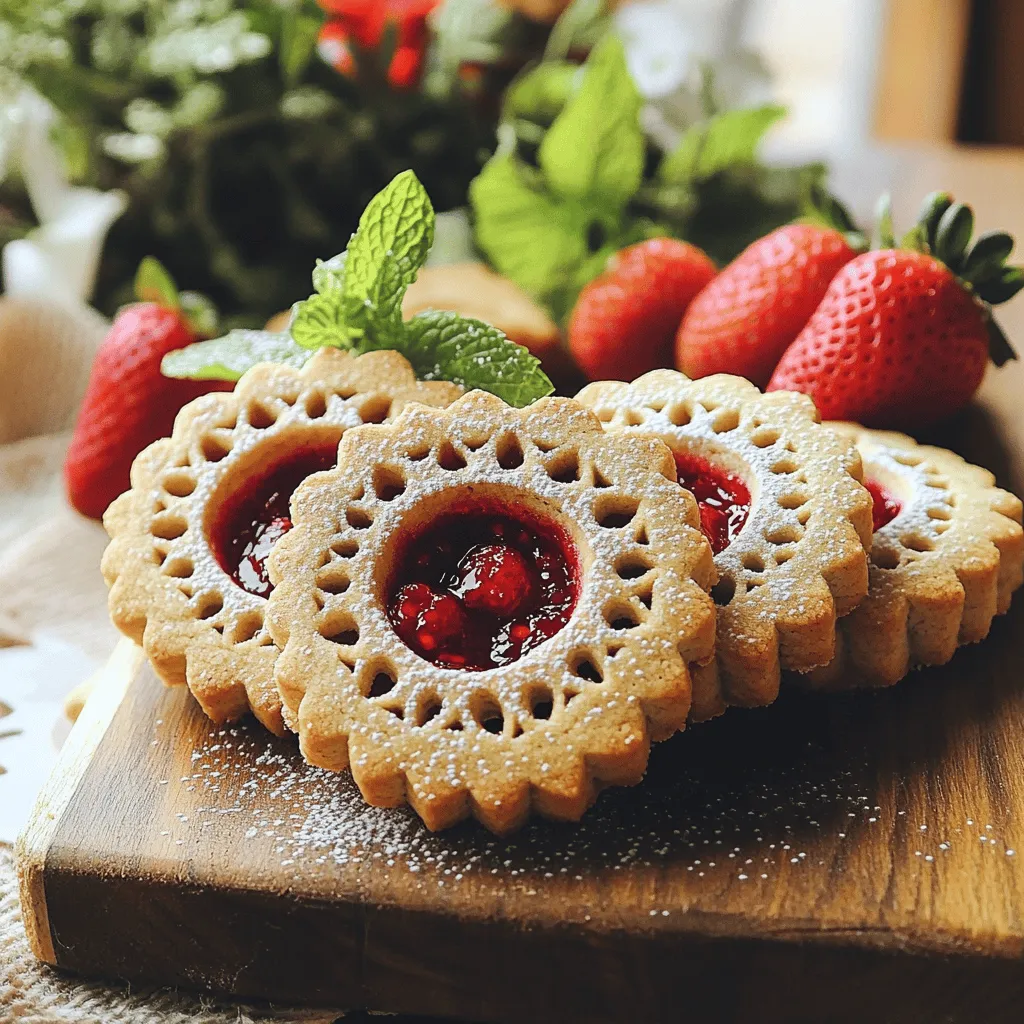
{"points": [[132, 148]]}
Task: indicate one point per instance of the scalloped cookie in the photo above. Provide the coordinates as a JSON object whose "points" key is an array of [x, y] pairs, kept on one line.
{"points": [[490, 611], [185, 564], [947, 555], [783, 507]]}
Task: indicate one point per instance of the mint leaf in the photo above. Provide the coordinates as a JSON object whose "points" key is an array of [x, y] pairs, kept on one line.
{"points": [[721, 142], [200, 314], [154, 284], [442, 345], [595, 148], [229, 357], [320, 321], [390, 245], [528, 235], [329, 275]]}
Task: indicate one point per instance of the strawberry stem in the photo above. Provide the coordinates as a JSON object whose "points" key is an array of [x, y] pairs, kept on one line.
{"points": [[154, 284]]}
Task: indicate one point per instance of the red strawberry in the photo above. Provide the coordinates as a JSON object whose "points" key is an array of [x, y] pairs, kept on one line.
{"points": [[745, 318], [128, 403], [625, 320], [902, 338]]}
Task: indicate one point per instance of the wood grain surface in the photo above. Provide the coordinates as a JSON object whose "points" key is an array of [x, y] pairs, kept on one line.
{"points": [[827, 859]]}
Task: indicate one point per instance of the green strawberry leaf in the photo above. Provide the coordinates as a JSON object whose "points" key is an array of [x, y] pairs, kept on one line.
{"points": [[595, 149], [329, 275], [723, 141], [934, 205], [320, 321], [883, 213], [229, 357], [1000, 351], [953, 233], [527, 234], [299, 34], [1002, 287], [986, 256], [390, 245], [154, 284], [442, 345]]}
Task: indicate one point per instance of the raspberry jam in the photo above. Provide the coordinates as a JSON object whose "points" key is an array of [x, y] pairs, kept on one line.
{"points": [[482, 585], [886, 507], [256, 516], [722, 497]]}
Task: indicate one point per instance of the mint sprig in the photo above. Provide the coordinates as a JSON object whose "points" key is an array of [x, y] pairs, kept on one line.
{"points": [[357, 306]]}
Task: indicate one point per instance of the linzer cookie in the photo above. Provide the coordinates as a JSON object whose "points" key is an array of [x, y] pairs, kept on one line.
{"points": [[782, 507], [947, 556], [486, 611], [186, 563]]}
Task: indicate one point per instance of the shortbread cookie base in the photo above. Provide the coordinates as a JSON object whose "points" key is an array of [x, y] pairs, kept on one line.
{"points": [[615, 677], [168, 589], [941, 570], [799, 561]]}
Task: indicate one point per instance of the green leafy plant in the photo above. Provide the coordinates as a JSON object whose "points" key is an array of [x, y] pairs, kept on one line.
{"points": [[243, 154], [357, 306], [576, 178]]}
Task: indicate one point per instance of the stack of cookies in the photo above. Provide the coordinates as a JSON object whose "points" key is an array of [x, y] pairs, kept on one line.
{"points": [[488, 611]]}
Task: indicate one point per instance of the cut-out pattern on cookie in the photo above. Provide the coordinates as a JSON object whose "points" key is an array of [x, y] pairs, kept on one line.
{"points": [[547, 730], [946, 559], [798, 560], [171, 590]]}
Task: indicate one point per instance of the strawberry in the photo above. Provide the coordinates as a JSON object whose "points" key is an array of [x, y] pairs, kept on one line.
{"points": [[747, 316], [903, 335], [625, 320], [128, 403]]}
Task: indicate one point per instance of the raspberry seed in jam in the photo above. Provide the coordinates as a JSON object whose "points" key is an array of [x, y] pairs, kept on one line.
{"points": [[885, 508], [480, 587], [722, 497], [255, 518]]}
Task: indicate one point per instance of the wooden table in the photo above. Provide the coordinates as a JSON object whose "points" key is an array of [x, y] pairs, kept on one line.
{"points": [[836, 859]]}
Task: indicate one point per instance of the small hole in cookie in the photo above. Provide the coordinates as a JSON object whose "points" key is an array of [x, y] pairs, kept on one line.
{"points": [[614, 511], [542, 703], [803, 516], [357, 518], [427, 709], [783, 555], [564, 468], [449, 458], [246, 627], [383, 682], [418, 454], [632, 418], [545, 444], [168, 526], [388, 482], [621, 616], [455, 726], [918, 542], [316, 405], [793, 500], [753, 562], [726, 420], [179, 567], [332, 579], [785, 534], [600, 480], [632, 567], [764, 437], [259, 416], [939, 512], [679, 414], [907, 458], [489, 716], [645, 594], [345, 548], [397, 710], [569, 695], [180, 484], [605, 415], [586, 667], [340, 628], [209, 605], [641, 535], [613, 649], [475, 441], [214, 448], [885, 558], [724, 591], [784, 466], [509, 451], [344, 391], [375, 409], [289, 397]]}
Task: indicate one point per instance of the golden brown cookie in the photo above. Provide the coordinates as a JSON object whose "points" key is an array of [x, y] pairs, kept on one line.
{"points": [[188, 541], [947, 555], [486, 611], [781, 503]]}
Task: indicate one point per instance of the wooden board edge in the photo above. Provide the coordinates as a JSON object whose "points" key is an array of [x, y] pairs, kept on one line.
{"points": [[33, 844]]}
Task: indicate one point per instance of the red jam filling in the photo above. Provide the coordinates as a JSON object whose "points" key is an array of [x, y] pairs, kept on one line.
{"points": [[886, 507], [722, 497], [255, 517], [482, 585]]}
